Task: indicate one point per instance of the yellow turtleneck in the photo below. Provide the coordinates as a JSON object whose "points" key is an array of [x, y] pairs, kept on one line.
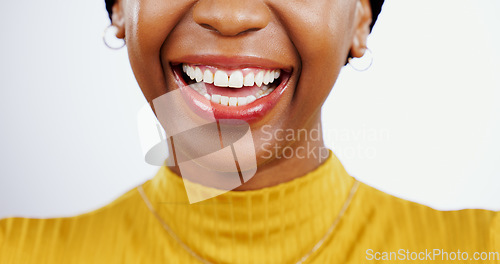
{"points": [[279, 224]]}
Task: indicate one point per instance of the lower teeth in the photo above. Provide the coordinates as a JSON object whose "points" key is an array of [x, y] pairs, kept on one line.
{"points": [[231, 101]]}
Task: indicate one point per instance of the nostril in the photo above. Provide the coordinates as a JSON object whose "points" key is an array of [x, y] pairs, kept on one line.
{"points": [[211, 28], [250, 30], [207, 26]]}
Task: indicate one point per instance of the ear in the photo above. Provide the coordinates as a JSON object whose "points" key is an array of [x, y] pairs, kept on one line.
{"points": [[118, 18], [362, 24]]}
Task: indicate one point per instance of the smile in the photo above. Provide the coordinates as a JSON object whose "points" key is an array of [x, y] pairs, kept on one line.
{"points": [[231, 87], [231, 92]]}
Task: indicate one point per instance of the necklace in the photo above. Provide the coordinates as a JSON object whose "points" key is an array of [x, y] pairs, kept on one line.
{"points": [[202, 260]]}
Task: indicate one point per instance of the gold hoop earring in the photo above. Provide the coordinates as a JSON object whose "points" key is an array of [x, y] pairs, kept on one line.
{"points": [[362, 64], [110, 40]]}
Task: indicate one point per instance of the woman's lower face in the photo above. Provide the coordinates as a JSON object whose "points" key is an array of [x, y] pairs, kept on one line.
{"points": [[268, 63]]}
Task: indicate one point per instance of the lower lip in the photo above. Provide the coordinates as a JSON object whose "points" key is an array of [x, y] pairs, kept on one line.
{"points": [[250, 113]]}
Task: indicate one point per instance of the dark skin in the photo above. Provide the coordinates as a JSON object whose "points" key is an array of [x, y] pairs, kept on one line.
{"points": [[313, 38]]}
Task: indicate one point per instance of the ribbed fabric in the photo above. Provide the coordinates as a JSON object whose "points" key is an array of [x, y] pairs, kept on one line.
{"points": [[279, 224]]}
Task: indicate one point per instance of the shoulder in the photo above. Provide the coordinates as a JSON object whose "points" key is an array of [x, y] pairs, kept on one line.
{"points": [[495, 233], [79, 236], [406, 220]]}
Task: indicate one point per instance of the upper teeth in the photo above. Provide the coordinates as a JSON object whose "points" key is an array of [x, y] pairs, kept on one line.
{"points": [[233, 79]]}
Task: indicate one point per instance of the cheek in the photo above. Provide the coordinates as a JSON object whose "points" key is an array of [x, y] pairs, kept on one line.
{"points": [[324, 43], [148, 23], [322, 36], [320, 31]]}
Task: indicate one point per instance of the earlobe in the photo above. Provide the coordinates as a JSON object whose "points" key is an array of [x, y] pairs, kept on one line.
{"points": [[362, 28], [118, 19]]}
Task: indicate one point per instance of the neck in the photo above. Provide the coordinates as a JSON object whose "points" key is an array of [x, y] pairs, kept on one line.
{"points": [[279, 224], [302, 156]]}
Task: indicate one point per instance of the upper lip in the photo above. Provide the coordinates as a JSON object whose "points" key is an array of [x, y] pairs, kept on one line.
{"points": [[232, 62]]}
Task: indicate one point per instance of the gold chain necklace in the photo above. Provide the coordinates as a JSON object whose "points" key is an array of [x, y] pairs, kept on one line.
{"points": [[202, 260]]}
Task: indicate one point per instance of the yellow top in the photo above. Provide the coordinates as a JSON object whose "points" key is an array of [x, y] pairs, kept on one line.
{"points": [[279, 224]]}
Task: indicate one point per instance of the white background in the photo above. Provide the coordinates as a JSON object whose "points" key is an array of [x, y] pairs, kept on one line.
{"points": [[421, 123]]}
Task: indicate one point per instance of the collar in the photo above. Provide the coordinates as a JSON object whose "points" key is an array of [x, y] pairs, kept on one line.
{"points": [[275, 224]]}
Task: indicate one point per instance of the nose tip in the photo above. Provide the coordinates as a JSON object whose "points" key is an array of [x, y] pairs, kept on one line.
{"points": [[231, 17]]}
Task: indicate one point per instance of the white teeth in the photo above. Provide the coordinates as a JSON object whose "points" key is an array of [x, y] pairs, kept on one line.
{"points": [[224, 100], [267, 78], [216, 98], [266, 92], [236, 79], [233, 101], [259, 78], [242, 100], [198, 75], [249, 79], [271, 76], [190, 72], [199, 87], [251, 98], [208, 76], [221, 79]]}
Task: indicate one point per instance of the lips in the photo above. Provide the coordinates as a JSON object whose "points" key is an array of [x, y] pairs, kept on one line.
{"points": [[246, 92]]}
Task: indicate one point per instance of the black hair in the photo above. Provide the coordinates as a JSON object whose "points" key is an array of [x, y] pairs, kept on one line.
{"points": [[376, 6]]}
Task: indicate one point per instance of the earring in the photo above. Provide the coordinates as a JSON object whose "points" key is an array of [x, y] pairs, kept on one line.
{"points": [[110, 39], [363, 63]]}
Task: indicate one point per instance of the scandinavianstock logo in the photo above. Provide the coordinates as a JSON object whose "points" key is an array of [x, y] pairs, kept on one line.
{"points": [[218, 154]]}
